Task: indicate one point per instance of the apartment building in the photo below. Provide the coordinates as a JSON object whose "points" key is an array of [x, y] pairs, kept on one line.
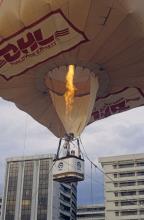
{"points": [[64, 201], [91, 212], [124, 187], [31, 194]]}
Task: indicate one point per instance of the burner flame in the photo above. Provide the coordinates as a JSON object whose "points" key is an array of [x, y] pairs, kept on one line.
{"points": [[70, 89]]}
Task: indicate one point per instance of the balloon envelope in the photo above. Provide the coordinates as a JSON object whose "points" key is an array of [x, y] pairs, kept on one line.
{"points": [[104, 40]]}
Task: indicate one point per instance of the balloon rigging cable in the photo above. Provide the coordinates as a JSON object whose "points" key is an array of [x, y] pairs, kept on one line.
{"points": [[106, 175]]}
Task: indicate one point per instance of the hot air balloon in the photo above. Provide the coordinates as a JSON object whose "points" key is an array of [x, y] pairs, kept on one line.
{"points": [[100, 40]]}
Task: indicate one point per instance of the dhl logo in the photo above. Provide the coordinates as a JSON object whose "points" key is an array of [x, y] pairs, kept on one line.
{"points": [[29, 44]]}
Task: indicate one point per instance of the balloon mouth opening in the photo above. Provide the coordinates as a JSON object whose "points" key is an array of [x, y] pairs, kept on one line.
{"points": [[55, 81], [75, 113]]}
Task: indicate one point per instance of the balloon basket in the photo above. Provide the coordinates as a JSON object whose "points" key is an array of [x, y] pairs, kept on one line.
{"points": [[68, 165]]}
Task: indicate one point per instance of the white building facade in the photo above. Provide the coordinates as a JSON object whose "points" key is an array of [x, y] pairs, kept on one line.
{"points": [[31, 194], [91, 212], [124, 187]]}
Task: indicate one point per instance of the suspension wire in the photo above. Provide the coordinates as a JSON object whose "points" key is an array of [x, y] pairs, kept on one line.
{"points": [[91, 184], [94, 163], [25, 134], [88, 176], [98, 168], [93, 180]]}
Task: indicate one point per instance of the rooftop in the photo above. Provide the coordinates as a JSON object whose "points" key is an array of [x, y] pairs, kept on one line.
{"points": [[122, 158], [26, 158]]}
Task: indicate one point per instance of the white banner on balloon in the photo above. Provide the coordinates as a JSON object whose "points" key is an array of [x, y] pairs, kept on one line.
{"points": [[121, 101], [46, 38]]}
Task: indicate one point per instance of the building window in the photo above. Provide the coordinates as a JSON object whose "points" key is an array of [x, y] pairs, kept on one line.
{"points": [[127, 203], [141, 202], [43, 190], [140, 182], [116, 203], [128, 193], [126, 165], [73, 205], [116, 213], [140, 163], [140, 173], [27, 191], [142, 212], [12, 188], [74, 197], [89, 215], [127, 174], [115, 184], [74, 188], [65, 189], [115, 175], [141, 192], [116, 194], [114, 166], [64, 198], [128, 183], [64, 207], [91, 209], [64, 217], [129, 212]]}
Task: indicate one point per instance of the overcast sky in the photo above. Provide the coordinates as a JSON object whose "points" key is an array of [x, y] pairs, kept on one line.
{"points": [[116, 135]]}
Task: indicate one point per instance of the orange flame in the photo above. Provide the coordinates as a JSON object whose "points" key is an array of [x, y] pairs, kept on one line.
{"points": [[70, 89]]}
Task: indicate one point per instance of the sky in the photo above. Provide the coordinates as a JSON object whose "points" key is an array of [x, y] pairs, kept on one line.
{"points": [[117, 135]]}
